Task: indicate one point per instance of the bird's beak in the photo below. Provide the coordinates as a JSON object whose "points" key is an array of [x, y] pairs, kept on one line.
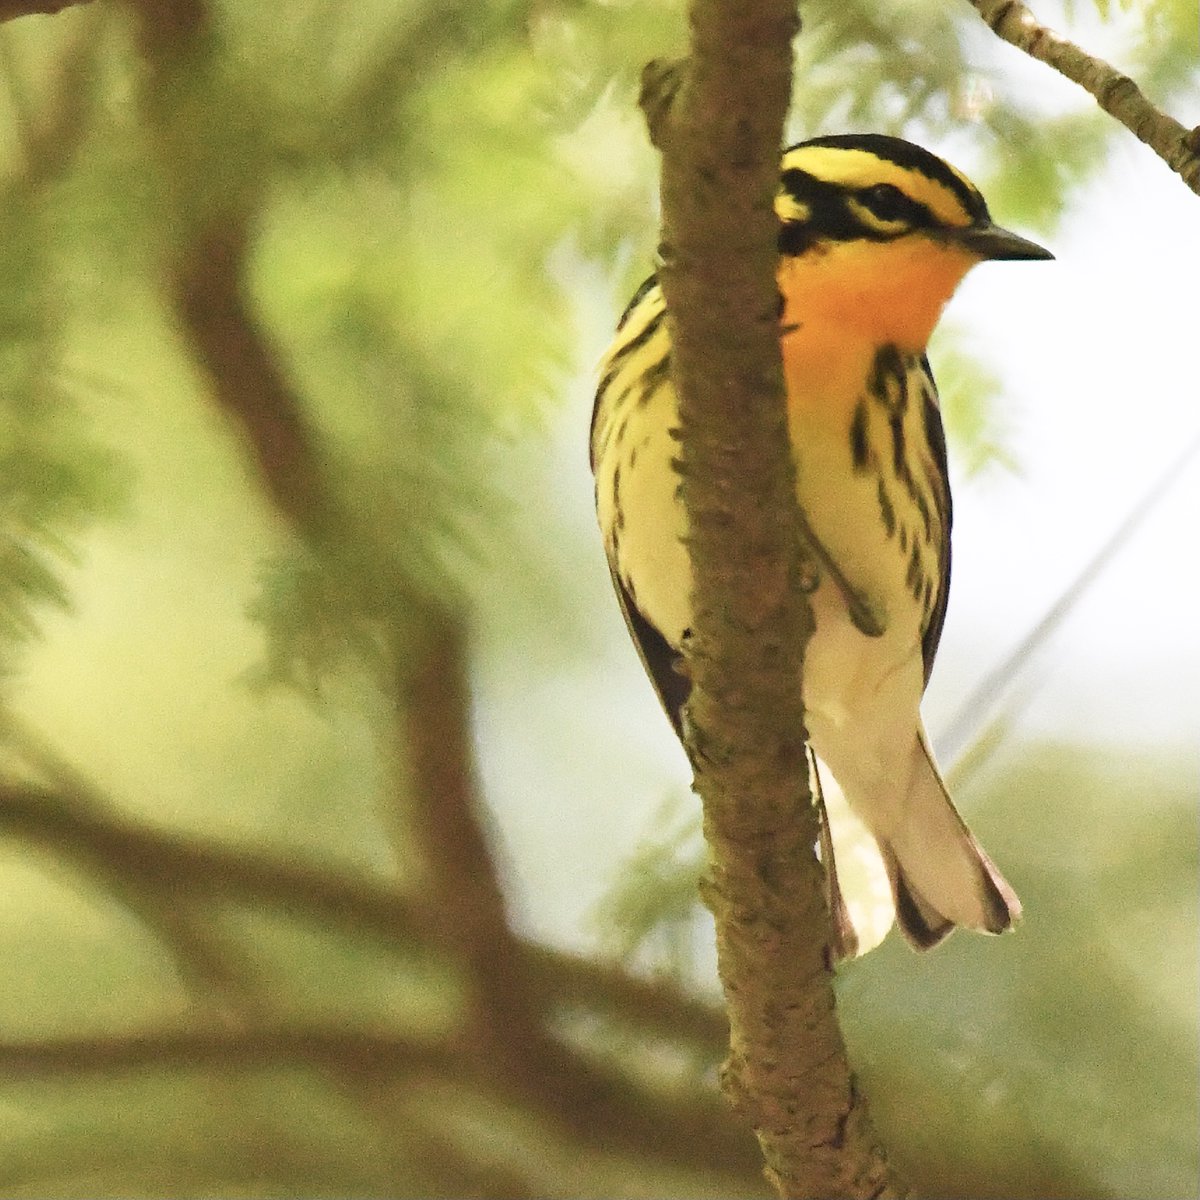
{"points": [[990, 242]]}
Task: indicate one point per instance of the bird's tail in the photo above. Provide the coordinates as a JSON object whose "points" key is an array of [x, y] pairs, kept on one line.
{"points": [[939, 873]]}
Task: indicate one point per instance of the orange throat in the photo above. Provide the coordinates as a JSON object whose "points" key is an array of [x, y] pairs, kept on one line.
{"points": [[877, 294]]}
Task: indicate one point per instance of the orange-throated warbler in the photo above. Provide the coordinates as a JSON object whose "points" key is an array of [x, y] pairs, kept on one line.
{"points": [[875, 235]]}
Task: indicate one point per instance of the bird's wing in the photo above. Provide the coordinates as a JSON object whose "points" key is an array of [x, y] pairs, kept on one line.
{"points": [[662, 661], [940, 483]]}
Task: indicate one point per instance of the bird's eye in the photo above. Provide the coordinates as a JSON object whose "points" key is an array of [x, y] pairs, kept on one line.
{"points": [[886, 202]]}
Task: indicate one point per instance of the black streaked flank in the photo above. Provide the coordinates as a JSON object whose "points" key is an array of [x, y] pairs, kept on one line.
{"points": [[928, 389], [939, 481], [656, 373], [606, 381], [927, 516], [886, 509], [913, 576], [618, 510], [899, 457], [618, 433], [887, 379], [922, 503], [860, 450], [653, 377]]}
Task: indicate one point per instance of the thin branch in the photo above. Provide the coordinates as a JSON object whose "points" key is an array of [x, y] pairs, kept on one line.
{"points": [[221, 1047], [718, 120], [179, 864], [1116, 93]]}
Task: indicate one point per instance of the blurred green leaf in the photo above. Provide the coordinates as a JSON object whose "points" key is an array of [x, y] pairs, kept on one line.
{"points": [[978, 428], [649, 918]]}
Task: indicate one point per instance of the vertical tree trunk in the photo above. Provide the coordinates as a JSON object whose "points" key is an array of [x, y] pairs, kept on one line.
{"points": [[718, 120]]}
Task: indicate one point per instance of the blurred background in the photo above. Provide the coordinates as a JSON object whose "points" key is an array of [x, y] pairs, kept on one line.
{"points": [[343, 848]]}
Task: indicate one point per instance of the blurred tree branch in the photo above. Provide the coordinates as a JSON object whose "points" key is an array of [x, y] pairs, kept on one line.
{"points": [[74, 820], [243, 369], [50, 137], [446, 813], [181, 868], [718, 119], [429, 686], [1116, 93], [221, 1046], [623, 1116], [569, 1087], [11, 9]]}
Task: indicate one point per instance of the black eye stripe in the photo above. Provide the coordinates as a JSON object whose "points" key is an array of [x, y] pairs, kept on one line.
{"points": [[884, 200], [828, 218], [830, 212], [889, 203]]}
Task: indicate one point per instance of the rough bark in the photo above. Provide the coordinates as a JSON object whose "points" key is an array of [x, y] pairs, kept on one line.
{"points": [[718, 118]]}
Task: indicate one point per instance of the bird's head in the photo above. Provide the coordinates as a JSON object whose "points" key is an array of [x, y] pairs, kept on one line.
{"points": [[875, 235]]}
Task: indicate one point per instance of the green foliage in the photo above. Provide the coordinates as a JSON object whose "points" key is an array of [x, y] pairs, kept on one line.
{"points": [[316, 634], [1040, 162], [977, 426], [649, 918], [55, 478], [910, 51]]}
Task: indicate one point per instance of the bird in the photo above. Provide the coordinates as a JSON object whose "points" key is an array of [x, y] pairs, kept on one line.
{"points": [[875, 234]]}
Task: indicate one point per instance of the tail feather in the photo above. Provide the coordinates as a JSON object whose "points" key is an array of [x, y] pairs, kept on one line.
{"points": [[939, 873], [924, 927]]}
